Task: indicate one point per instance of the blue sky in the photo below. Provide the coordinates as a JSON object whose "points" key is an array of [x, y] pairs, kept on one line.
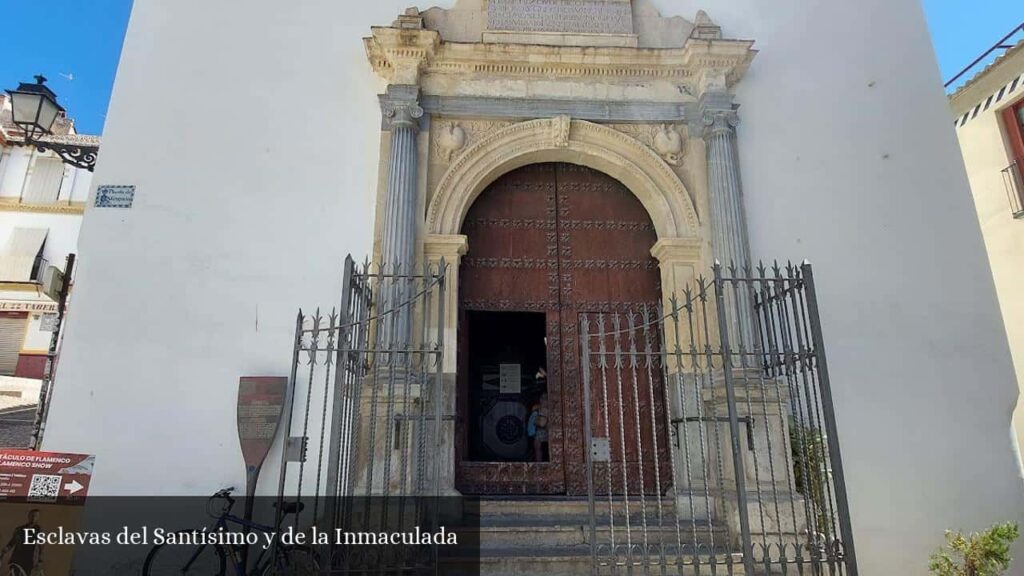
{"points": [[83, 39], [963, 29]]}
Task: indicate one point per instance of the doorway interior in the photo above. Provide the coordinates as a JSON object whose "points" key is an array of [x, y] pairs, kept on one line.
{"points": [[507, 382]]}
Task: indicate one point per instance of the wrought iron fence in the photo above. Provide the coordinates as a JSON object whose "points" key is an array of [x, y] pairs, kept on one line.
{"points": [[361, 422], [735, 370], [713, 445]]}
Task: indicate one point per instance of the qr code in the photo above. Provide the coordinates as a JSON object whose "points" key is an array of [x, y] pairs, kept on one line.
{"points": [[44, 487]]}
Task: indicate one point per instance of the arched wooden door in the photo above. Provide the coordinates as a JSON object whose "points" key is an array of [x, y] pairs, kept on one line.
{"points": [[546, 243]]}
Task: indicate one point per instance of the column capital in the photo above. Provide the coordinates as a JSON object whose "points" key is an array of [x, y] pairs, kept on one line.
{"points": [[717, 113], [400, 106], [720, 121], [713, 113], [451, 247], [669, 251]]}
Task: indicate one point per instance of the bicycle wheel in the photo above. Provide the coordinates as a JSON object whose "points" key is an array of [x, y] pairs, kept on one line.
{"points": [[15, 570], [295, 561], [198, 560]]}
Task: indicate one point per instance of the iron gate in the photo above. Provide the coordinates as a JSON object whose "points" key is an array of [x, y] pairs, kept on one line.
{"points": [[756, 483], [362, 432]]}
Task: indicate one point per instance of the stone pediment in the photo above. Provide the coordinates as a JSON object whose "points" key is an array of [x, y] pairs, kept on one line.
{"points": [[529, 48]]}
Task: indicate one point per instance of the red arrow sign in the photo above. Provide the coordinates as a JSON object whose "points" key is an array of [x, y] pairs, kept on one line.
{"points": [[49, 477]]}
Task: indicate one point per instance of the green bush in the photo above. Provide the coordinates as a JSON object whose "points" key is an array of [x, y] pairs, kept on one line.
{"points": [[808, 451], [979, 554]]}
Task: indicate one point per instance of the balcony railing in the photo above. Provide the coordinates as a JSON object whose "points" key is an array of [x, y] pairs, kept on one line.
{"points": [[1014, 182], [38, 269]]}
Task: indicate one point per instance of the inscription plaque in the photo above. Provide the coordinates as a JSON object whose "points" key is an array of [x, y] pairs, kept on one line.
{"points": [[565, 16]]}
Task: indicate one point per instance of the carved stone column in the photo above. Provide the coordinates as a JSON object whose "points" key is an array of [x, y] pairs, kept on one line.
{"points": [[728, 218], [401, 112], [730, 241]]}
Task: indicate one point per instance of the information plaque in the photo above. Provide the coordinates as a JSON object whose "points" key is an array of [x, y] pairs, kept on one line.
{"points": [[260, 404]]}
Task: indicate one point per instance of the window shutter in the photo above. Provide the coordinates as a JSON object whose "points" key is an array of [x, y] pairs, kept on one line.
{"points": [[12, 335], [1013, 130], [44, 182]]}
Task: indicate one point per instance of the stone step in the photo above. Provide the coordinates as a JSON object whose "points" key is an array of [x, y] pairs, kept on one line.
{"points": [[570, 506], [532, 537], [560, 535], [551, 535], [574, 561], [636, 520]]}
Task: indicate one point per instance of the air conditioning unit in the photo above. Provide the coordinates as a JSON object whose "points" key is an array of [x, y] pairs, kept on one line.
{"points": [[53, 281]]}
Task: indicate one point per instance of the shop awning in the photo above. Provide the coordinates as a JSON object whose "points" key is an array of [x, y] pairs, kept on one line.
{"points": [[19, 255]]}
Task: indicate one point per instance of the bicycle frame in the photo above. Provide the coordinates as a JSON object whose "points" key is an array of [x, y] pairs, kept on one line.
{"points": [[232, 551]]}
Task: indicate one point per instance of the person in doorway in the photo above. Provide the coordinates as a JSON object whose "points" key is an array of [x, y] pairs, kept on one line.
{"points": [[537, 430], [25, 555]]}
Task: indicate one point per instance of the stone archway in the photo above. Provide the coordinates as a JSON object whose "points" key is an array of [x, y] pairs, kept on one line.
{"points": [[681, 247], [562, 139]]}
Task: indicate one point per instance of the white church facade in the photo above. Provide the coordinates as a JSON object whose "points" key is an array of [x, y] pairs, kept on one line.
{"points": [[563, 202]]}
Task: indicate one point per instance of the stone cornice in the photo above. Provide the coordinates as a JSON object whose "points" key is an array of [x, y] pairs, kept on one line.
{"points": [[35, 287], [398, 55], [732, 56], [13, 205]]}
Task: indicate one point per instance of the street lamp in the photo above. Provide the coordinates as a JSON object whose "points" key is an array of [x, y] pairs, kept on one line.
{"points": [[34, 110]]}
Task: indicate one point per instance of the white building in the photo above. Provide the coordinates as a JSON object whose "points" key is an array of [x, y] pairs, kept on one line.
{"points": [[272, 158], [989, 119], [41, 205]]}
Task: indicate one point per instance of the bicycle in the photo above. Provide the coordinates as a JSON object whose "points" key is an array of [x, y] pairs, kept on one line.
{"points": [[9, 567], [212, 559]]}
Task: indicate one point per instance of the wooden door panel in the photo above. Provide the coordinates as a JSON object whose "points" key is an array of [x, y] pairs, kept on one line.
{"points": [[506, 289], [565, 239], [627, 407], [606, 266]]}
